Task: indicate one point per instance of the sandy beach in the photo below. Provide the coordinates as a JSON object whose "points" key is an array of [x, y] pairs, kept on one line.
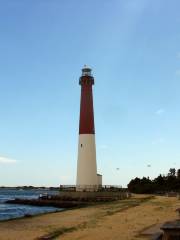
{"points": [[125, 219]]}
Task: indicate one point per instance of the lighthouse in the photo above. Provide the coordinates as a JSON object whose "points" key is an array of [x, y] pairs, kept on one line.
{"points": [[87, 177]]}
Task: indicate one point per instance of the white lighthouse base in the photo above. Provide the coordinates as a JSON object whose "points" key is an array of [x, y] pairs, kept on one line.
{"points": [[87, 179]]}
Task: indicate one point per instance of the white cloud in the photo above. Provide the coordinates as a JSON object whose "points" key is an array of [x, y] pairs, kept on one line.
{"points": [[160, 111], [6, 160], [178, 72]]}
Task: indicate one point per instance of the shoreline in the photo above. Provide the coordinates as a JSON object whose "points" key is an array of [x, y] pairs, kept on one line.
{"points": [[125, 219], [47, 202], [27, 216], [67, 201]]}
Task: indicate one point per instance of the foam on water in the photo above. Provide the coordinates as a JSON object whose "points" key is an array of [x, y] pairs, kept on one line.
{"points": [[10, 211]]}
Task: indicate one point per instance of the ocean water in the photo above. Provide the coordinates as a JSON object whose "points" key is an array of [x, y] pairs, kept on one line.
{"points": [[10, 211]]}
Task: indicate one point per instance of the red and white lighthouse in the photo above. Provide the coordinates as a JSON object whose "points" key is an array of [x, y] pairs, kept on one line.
{"points": [[87, 177]]}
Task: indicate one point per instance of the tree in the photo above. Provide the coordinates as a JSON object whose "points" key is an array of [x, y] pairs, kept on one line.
{"points": [[160, 183], [172, 172], [143, 185], [178, 174], [169, 182]]}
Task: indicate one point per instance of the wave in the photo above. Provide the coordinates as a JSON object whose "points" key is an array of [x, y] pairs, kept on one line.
{"points": [[11, 211]]}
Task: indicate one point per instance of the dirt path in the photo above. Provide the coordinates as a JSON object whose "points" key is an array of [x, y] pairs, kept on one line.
{"points": [[123, 220]]}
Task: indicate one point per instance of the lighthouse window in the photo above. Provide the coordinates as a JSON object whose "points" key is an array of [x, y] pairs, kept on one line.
{"points": [[81, 145]]}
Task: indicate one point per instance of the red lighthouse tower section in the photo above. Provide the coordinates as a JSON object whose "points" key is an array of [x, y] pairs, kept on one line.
{"points": [[87, 178], [86, 123]]}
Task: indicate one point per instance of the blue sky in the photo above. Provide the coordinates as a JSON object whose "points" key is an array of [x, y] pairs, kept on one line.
{"points": [[133, 47]]}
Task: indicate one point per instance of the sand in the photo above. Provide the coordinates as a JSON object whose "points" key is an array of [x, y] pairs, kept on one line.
{"points": [[125, 219]]}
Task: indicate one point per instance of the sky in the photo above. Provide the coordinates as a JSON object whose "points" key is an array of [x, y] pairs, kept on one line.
{"points": [[133, 47]]}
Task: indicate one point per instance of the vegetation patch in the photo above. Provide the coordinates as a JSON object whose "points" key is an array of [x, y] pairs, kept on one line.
{"points": [[105, 210], [113, 209], [161, 184], [56, 233]]}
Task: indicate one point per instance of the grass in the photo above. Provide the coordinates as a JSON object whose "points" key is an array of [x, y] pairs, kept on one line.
{"points": [[56, 233], [104, 210], [126, 204]]}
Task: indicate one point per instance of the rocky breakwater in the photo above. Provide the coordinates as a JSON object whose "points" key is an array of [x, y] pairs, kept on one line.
{"points": [[53, 201]]}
